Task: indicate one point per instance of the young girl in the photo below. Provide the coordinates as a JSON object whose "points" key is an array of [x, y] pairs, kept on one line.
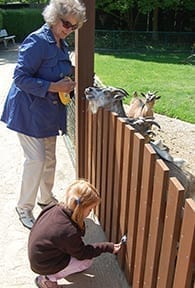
{"points": [[55, 247]]}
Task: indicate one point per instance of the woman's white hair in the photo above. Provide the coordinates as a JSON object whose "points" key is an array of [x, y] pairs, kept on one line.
{"points": [[62, 8]]}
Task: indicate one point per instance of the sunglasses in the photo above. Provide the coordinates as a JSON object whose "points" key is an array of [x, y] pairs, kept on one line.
{"points": [[68, 25]]}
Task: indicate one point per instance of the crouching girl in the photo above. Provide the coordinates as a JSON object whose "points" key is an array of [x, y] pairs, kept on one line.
{"points": [[55, 247]]}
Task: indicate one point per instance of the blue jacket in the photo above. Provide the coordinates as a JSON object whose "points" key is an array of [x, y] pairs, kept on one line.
{"points": [[29, 108]]}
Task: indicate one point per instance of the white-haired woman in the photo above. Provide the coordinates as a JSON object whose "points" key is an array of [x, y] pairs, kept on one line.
{"points": [[33, 107]]}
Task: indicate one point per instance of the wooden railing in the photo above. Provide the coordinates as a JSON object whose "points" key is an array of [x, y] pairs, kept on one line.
{"points": [[138, 197]]}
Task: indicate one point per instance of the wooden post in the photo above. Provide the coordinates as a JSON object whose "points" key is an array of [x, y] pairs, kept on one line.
{"points": [[84, 71]]}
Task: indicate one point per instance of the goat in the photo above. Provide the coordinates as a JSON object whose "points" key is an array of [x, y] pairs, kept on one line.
{"points": [[111, 99], [138, 107], [108, 97]]}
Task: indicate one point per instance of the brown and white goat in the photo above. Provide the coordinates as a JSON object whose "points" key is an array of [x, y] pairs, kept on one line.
{"points": [[142, 108]]}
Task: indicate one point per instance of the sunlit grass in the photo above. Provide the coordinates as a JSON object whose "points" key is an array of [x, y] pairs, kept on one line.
{"points": [[167, 74]]}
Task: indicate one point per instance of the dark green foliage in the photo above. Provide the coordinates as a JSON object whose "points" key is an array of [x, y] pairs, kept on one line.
{"points": [[21, 22], [1, 19]]}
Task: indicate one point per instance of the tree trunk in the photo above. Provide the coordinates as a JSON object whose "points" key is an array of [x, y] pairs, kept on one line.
{"points": [[155, 24]]}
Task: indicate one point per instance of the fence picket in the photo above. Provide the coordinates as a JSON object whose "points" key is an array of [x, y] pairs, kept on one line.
{"points": [[117, 179], [99, 155], [94, 149], [111, 164], [104, 168], [144, 214], [170, 234], [156, 224], [186, 253], [125, 188], [138, 148], [90, 145]]}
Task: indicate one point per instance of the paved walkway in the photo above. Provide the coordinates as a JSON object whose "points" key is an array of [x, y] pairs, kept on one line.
{"points": [[14, 266]]}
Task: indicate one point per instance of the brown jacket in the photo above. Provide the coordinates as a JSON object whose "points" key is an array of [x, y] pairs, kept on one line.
{"points": [[54, 238]]}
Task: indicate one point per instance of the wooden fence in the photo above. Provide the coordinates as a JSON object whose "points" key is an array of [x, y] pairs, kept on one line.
{"points": [[138, 197]]}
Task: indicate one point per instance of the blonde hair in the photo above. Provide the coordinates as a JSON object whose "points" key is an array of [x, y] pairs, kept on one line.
{"points": [[62, 8], [80, 195]]}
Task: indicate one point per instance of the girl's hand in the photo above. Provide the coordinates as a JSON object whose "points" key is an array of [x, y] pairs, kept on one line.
{"points": [[117, 247]]}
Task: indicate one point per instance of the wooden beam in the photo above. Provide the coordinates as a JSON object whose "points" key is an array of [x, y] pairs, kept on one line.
{"points": [[84, 71]]}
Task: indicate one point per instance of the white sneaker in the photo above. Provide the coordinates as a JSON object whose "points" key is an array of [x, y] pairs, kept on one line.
{"points": [[26, 217]]}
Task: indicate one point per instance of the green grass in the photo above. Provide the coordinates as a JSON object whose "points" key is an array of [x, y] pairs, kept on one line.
{"points": [[166, 73]]}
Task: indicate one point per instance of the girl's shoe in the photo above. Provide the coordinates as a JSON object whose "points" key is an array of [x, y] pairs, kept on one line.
{"points": [[43, 282]]}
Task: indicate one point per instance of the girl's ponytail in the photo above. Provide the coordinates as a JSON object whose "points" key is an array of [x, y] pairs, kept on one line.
{"points": [[80, 195]]}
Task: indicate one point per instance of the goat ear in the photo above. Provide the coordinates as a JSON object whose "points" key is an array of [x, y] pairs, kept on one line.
{"points": [[135, 94], [143, 95], [158, 97]]}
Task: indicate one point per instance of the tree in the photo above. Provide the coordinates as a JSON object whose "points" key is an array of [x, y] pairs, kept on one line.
{"points": [[119, 9], [129, 10], [153, 6]]}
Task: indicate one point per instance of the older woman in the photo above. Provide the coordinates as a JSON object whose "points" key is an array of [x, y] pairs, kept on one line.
{"points": [[33, 107]]}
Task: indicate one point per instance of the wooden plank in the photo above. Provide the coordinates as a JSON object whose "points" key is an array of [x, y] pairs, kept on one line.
{"points": [[134, 198], [104, 175], [99, 141], [94, 149], [111, 163], [186, 253], [117, 179], [86, 115], [90, 138], [125, 187], [84, 71], [156, 223], [144, 215], [171, 232]]}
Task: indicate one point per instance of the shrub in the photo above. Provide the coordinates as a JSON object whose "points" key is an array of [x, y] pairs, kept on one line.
{"points": [[21, 22]]}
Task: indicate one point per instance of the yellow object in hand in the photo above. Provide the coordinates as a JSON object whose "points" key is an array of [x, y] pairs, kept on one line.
{"points": [[64, 98]]}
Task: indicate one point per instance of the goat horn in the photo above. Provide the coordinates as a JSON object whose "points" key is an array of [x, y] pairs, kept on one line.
{"points": [[121, 90], [124, 91], [152, 122], [150, 132]]}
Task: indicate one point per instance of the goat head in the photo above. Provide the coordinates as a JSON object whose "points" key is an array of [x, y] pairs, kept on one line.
{"points": [[143, 126], [100, 97], [150, 96]]}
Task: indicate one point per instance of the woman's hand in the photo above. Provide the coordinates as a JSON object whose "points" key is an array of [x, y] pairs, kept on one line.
{"points": [[65, 85]]}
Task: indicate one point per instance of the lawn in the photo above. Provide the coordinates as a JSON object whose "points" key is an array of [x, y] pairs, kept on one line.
{"points": [[166, 73]]}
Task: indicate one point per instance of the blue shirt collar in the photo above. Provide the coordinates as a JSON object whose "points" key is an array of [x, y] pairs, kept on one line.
{"points": [[49, 35]]}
